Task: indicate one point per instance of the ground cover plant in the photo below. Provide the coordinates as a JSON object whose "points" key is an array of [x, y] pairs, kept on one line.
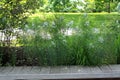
{"points": [[68, 39], [71, 39], [30, 37]]}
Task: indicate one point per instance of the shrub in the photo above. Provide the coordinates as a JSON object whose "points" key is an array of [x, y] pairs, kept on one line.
{"points": [[13, 14], [62, 39], [61, 42]]}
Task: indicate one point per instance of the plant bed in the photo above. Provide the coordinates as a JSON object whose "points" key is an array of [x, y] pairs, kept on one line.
{"points": [[16, 57], [54, 40]]}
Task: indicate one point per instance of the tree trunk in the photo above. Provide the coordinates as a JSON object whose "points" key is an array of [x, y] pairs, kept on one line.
{"points": [[109, 7]]}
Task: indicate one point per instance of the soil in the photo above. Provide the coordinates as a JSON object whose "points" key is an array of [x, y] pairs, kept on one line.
{"points": [[15, 56], [10, 53]]}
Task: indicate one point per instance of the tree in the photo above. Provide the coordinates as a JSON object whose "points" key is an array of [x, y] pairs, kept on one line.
{"points": [[108, 2], [58, 5], [13, 14], [105, 5], [66, 5]]}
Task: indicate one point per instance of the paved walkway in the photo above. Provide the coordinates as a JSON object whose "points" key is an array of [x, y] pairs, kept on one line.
{"points": [[60, 72]]}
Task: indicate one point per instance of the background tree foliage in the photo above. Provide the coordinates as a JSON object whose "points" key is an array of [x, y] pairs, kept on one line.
{"points": [[13, 15], [13, 12], [105, 5], [58, 5], [79, 5]]}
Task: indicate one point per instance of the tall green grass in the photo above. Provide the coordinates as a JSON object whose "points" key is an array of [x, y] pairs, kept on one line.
{"points": [[93, 41]]}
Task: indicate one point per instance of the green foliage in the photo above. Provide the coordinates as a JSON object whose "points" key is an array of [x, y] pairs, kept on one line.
{"points": [[45, 43], [58, 5], [48, 42], [117, 45], [116, 27], [45, 40], [78, 5], [118, 7], [105, 5], [13, 14]]}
